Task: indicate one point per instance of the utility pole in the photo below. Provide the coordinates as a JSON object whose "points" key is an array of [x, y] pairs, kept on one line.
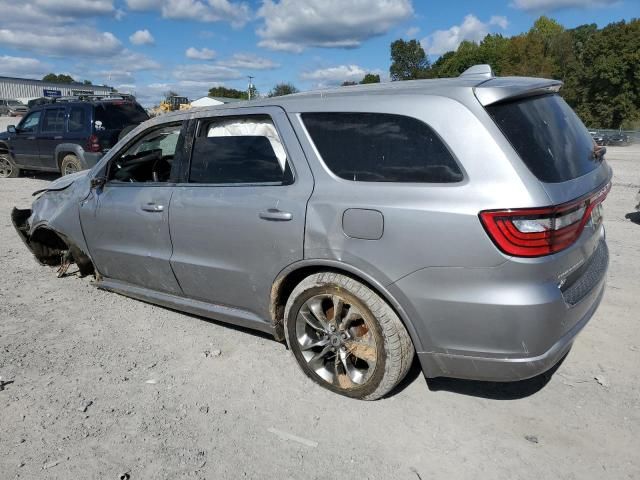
{"points": [[250, 85]]}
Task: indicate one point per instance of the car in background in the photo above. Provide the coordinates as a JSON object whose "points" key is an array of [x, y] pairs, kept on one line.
{"points": [[67, 135], [13, 108], [601, 139], [619, 139]]}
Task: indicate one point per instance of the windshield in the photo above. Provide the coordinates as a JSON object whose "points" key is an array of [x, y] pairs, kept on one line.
{"points": [[548, 136], [14, 103]]}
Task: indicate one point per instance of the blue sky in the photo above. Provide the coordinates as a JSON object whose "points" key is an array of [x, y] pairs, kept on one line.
{"points": [[150, 46]]}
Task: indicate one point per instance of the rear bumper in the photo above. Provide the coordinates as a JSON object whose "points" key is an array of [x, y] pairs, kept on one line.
{"points": [[504, 369], [504, 323]]}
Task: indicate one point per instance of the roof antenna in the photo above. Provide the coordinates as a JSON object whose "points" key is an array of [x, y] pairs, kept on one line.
{"points": [[483, 71]]}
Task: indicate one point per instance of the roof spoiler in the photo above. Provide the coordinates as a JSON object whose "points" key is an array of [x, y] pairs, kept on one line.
{"points": [[502, 89]]}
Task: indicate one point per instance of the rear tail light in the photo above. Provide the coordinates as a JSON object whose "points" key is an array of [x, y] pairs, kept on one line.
{"points": [[93, 144], [535, 232]]}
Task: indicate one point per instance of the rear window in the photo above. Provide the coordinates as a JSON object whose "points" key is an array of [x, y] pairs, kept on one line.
{"points": [[548, 136], [116, 116], [380, 147]]}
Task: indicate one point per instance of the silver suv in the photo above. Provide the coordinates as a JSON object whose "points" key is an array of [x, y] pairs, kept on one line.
{"points": [[459, 219]]}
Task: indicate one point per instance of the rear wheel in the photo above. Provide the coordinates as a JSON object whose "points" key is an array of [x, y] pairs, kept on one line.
{"points": [[345, 337], [70, 164], [8, 169]]}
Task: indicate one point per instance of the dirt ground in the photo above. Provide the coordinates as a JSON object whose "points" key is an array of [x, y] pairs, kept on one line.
{"points": [[96, 385]]}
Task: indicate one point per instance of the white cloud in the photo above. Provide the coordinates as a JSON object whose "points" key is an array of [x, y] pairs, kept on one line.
{"points": [[293, 25], [203, 72], [23, 67], [202, 54], [551, 5], [237, 13], [62, 41], [412, 32], [471, 28], [75, 8], [332, 76], [142, 37], [249, 61]]}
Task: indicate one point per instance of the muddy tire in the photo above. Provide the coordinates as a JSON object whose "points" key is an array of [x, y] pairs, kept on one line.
{"points": [[8, 169], [345, 337], [70, 164]]}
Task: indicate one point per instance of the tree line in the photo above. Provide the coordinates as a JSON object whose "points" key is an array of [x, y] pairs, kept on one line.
{"points": [[600, 68]]}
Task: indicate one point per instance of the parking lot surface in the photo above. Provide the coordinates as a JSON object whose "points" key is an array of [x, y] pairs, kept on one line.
{"points": [[95, 385]]}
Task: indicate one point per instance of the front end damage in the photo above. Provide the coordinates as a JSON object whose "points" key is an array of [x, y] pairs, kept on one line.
{"points": [[51, 228], [50, 247]]}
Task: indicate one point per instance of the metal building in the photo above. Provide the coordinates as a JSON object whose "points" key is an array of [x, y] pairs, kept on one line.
{"points": [[25, 89]]}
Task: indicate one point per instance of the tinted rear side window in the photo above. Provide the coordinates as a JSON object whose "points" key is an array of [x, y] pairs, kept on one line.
{"points": [[116, 116], [548, 136], [379, 147]]}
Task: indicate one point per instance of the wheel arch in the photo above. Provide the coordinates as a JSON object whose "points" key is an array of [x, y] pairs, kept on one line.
{"points": [[48, 246], [4, 148], [292, 275], [65, 149]]}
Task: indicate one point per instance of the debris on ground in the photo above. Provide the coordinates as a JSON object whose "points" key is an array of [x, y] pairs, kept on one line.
{"points": [[83, 408], [50, 465], [212, 353], [602, 381], [531, 438], [151, 381], [294, 438]]}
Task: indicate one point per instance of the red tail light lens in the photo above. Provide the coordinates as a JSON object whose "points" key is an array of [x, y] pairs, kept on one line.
{"points": [[535, 232], [93, 144]]}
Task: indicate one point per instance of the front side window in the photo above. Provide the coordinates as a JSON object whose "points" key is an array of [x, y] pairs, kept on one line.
{"points": [[148, 159], [239, 150], [30, 122], [53, 121], [380, 147]]}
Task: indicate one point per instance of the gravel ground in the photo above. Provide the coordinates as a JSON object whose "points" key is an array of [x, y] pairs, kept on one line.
{"points": [[98, 385]]}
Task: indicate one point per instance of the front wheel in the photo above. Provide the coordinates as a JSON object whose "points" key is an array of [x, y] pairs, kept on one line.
{"points": [[345, 337], [8, 169], [70, 164]]}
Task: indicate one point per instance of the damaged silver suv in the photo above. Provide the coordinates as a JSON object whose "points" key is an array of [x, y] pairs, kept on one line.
{"points": [[456, 219]]}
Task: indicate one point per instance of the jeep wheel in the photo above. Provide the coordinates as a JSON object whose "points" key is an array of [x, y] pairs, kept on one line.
{"points": [[345, 337], [8, 169], [70, 164]]}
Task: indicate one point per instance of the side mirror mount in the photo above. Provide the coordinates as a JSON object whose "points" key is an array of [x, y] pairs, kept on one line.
{"points": [[98, 182], [12, 129]]}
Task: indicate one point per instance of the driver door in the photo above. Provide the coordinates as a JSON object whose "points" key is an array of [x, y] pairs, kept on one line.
{"points": [[25, 142], [125, 222]]}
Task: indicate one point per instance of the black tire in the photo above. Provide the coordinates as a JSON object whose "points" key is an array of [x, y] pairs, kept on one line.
{"points": [[70, 164], [125, 131], [8, 169], [375, 319]]}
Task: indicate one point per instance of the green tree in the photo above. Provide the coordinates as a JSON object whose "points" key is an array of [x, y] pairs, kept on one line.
{"points": [[87, 82], [283, 89], [408, 60], [62, 78], [370, 78], [227, 92]]}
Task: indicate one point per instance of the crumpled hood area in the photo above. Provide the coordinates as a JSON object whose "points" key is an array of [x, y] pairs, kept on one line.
{"points": [[63, 182]]}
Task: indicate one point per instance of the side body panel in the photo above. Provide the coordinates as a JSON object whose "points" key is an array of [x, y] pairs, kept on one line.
{"points": [[224, 252]]}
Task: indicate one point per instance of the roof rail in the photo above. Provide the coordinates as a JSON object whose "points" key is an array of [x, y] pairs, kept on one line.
{"points": [[94, 97], [482, 70]]}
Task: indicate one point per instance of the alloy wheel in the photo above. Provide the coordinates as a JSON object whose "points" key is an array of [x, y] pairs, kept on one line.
{"points": [[336, 340], [6, 168]]}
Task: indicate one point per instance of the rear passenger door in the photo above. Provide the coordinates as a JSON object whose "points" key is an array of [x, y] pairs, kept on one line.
{"points": [[51, 135], [238, 217]]}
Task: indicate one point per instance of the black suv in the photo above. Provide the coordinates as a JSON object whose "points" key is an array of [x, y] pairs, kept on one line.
{"points": [[67, 135]]}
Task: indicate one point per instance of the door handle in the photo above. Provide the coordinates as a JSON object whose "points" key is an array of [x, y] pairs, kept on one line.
{"points": [[276, 215], [31, 138], [152, 207], [58, 137]]}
